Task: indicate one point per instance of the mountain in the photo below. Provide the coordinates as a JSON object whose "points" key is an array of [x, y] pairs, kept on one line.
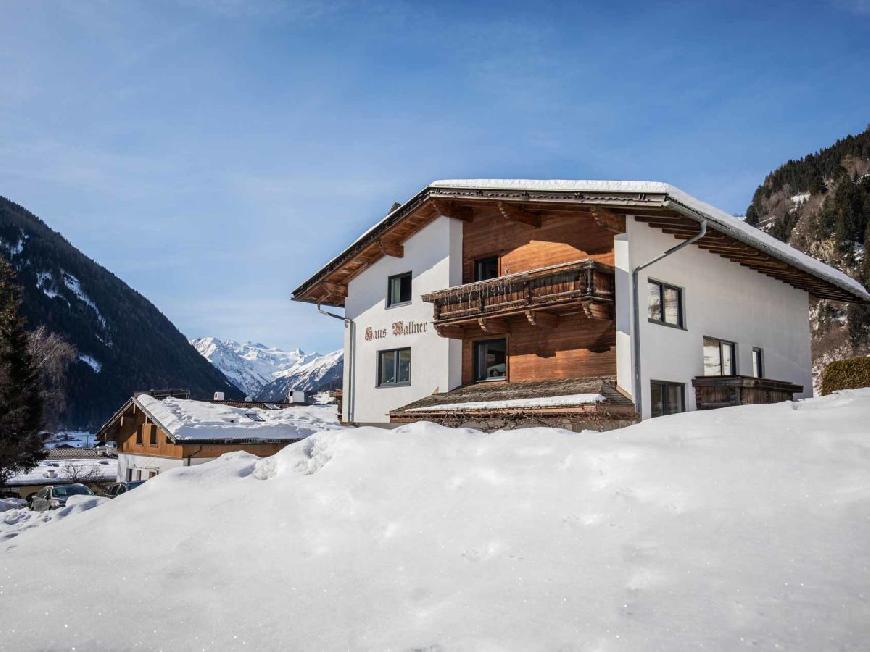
{"points": [[124, 342], [322, 373], [267, 373], [820, 204]]}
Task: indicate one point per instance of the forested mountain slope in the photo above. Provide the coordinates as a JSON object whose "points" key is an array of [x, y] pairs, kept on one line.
{"points": [[820, 204], [124, 342]]}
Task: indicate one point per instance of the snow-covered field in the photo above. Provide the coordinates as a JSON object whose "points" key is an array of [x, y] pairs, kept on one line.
{"points": [[741, 528]]}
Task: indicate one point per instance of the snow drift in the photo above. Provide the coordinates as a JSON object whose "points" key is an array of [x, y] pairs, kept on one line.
{"points": [[744, 527]]}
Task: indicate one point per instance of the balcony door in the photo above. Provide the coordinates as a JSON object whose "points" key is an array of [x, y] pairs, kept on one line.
{"points": [[490, 360]]}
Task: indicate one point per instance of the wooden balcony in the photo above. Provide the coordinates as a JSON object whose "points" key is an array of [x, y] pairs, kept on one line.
{"points": [[713, 392], [539, 295]]}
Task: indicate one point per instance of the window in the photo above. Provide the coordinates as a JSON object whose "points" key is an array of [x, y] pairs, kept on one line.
{"points": [[139, 434], [486, 268], [394, 367], [153, 435], [399, 289], [490, 360], [757, 362], [719, 358], [151, 474], [665, 304], [138, 474], [129, 475], [667, 398]]}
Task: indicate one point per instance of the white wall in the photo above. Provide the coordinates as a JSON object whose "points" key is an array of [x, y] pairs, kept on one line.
{"points": [[434, 258], [151, 463], [721, 299]]}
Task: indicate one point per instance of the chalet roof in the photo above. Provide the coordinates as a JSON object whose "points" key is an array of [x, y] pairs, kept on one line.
{"points": [[189, 421], [663, 205], [568, 392]]}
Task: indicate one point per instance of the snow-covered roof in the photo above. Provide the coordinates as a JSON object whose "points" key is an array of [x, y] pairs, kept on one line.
{"points": [[722, 221], [190, 421], [732, 225]]}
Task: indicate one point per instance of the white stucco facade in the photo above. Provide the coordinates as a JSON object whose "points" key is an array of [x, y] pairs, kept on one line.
{"points": [[149, 465], [721, 299], [433, 256]]}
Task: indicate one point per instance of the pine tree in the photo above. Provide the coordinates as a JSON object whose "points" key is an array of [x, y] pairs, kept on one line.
{"points": [[20, 402]]}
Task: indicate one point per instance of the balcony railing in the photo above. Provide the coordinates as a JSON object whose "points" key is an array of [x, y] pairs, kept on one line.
{"points": [[556, 288]]}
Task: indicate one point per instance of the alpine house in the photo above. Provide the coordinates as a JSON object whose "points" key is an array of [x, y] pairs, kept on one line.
{"points": [[581, 304]]}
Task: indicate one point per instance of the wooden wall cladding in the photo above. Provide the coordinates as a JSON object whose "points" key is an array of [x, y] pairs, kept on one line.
{"points": [[561, 238], [576, 347]]}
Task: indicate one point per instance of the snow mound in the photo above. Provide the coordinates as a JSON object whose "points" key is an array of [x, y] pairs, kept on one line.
{"points": [[737, 528]]}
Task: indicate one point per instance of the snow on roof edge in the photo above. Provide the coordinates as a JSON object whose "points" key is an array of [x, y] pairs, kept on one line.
{"points": [[720, 217]]}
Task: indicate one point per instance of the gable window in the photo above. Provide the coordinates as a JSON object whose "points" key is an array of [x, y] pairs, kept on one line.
{"points": [[153, 435], [490, 360], [394, 367], [757, 362], [665, 304], [719, 357], [139, 434], [667, 398], [399, 289], [486, 268]]}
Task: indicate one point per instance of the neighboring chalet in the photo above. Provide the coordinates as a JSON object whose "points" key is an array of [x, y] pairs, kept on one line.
{"points": [[154, 434], [503, 302]]}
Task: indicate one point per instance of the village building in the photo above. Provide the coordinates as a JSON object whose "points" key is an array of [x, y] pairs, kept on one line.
{"points": [[583, 304], [155, 433]]}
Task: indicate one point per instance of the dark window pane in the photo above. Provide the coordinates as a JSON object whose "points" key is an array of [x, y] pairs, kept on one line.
{"points": [[399, 289], [404, 371], [656, 399], [486, 268], [672, 306], [387, 368], [655, 301], [491, 360], [674, 399]]}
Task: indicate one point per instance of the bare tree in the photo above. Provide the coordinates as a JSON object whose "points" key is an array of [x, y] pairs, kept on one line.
{"points": [[79, 472], [52, 356]]}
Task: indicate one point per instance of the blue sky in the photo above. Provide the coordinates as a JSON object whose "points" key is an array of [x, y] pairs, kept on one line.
{"points": [[214, 153]]}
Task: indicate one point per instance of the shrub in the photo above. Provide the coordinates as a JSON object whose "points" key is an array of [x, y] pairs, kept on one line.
{"points": [[846, 374]]}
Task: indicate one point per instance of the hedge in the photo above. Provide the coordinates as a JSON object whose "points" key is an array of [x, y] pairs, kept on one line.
{"points": [[846, 374]]}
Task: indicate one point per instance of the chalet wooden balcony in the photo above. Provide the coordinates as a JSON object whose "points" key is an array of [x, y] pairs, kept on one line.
{"points": [[538, 295], [713, 392]]}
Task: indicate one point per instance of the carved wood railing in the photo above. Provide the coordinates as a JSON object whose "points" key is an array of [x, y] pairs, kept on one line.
{"points": [[554, 287]]}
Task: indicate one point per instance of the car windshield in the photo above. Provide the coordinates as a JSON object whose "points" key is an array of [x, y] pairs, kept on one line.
{"points": [[72, 490]]}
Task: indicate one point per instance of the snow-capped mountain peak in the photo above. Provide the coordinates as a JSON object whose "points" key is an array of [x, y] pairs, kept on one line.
{"points": [[253, 366]]}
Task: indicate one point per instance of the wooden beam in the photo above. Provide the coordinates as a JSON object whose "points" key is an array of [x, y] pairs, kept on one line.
{"points": [[451, 209], [542, 318], [335, 289], [594, 310], [607, 219], [514, 214], [493, 326], [392, 248], [451, 332]]}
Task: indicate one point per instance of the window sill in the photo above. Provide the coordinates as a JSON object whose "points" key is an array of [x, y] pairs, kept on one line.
{"points": [[390, 306], [389, 385], [664, 323]]}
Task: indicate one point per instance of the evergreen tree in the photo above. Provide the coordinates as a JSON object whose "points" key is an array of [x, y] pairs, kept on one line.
{"points": [[20, 402]]}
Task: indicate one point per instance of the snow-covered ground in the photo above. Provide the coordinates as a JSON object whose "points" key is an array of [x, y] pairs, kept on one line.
{"points": [[77, 438], [741, 528], [17, 519]]}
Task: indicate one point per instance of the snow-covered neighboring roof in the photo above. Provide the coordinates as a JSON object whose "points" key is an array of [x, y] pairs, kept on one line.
{"points": [[733, 226], [724, 222], [188, 420], [68, 470]]}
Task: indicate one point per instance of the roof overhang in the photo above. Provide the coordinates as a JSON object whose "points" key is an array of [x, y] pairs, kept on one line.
{"points": [[660, 205]]}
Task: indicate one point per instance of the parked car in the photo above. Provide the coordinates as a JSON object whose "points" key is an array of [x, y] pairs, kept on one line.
{"points": [[119, 488], [55, 496]]}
